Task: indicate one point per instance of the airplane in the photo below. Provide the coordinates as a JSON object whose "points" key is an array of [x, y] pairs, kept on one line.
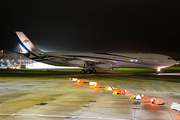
{"points": [[91, 62]]}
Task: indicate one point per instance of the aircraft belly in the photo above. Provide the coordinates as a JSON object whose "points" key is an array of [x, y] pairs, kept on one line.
{"points": [[122, 64], [54, 63], [131, 65]]}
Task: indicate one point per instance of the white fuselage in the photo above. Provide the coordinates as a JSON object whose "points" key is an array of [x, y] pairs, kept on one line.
{"points": [[91, 61], [114, 60]]}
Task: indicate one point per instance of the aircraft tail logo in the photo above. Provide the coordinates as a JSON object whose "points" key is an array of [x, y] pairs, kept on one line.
{"points": [[26, 46], [26, 41]]}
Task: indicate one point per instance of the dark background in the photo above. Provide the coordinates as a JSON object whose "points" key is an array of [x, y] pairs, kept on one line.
{"points": [[93, 25]]}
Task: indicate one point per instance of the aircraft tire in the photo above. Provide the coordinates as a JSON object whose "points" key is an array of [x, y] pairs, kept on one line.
{"points": [[157, 73], [88, 71], [93, 71], [83, 71]]}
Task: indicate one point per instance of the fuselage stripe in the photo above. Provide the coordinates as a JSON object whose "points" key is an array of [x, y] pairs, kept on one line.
{"points": [[26, 48], [93, 57], [112, 55], [109, 59]]}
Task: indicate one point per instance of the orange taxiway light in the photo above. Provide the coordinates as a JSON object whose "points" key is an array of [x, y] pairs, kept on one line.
{"points": [[70, 79], [123, 92], [178, 114], [119, 91], [80, 81], [156, 101], [97, 86]]}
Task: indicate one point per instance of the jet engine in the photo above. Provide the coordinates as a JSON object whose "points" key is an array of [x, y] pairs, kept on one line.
{"points": [[103, 66], [76, 63]]}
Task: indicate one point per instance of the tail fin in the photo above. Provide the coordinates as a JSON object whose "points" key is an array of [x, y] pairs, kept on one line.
{"points": [[22, 50], [26, 46]]}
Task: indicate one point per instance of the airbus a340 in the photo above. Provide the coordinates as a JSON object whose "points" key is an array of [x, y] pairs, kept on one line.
{"points": [[90, 62]]}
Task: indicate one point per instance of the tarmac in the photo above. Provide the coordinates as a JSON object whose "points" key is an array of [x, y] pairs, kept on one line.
{"points": [[169, 74], [67, 100]]}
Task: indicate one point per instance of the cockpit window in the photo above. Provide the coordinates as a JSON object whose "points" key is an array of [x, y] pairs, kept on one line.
{"points": [[169, 58]]}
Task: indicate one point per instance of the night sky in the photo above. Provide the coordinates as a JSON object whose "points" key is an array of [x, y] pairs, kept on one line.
{"points": [[141, 26]]}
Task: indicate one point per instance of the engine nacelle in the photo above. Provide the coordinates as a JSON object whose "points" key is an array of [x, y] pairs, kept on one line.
{"points": [[76, 63], [103, 66]]}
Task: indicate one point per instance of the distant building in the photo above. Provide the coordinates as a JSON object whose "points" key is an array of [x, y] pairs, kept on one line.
{"points": [[9, 59], [13, 60]]}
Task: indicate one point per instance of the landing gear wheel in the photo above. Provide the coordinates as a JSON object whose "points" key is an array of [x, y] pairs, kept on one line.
{"points": [[93, 71], [88, 71], [83, 71]]}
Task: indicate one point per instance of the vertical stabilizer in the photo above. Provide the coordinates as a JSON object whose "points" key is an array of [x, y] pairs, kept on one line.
{"points": [[26, 46], [22, 50]]}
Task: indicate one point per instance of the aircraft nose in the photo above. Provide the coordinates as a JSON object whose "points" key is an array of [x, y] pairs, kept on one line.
{"points": [[174, 62]]}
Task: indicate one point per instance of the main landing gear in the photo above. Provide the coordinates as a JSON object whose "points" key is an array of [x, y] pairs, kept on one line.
{"points": [[88, 68], [88, 71]]}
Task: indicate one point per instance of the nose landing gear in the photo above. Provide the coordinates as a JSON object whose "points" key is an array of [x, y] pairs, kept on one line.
{"points": [[158, 71]]}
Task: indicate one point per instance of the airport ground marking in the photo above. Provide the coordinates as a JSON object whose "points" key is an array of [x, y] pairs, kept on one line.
{"points": [[170, 115], [59, 116]]}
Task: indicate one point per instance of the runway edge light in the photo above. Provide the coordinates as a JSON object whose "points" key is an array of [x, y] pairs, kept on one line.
{"points": [[94, 85], [137, 96], [74, 79], [108, 88]]}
